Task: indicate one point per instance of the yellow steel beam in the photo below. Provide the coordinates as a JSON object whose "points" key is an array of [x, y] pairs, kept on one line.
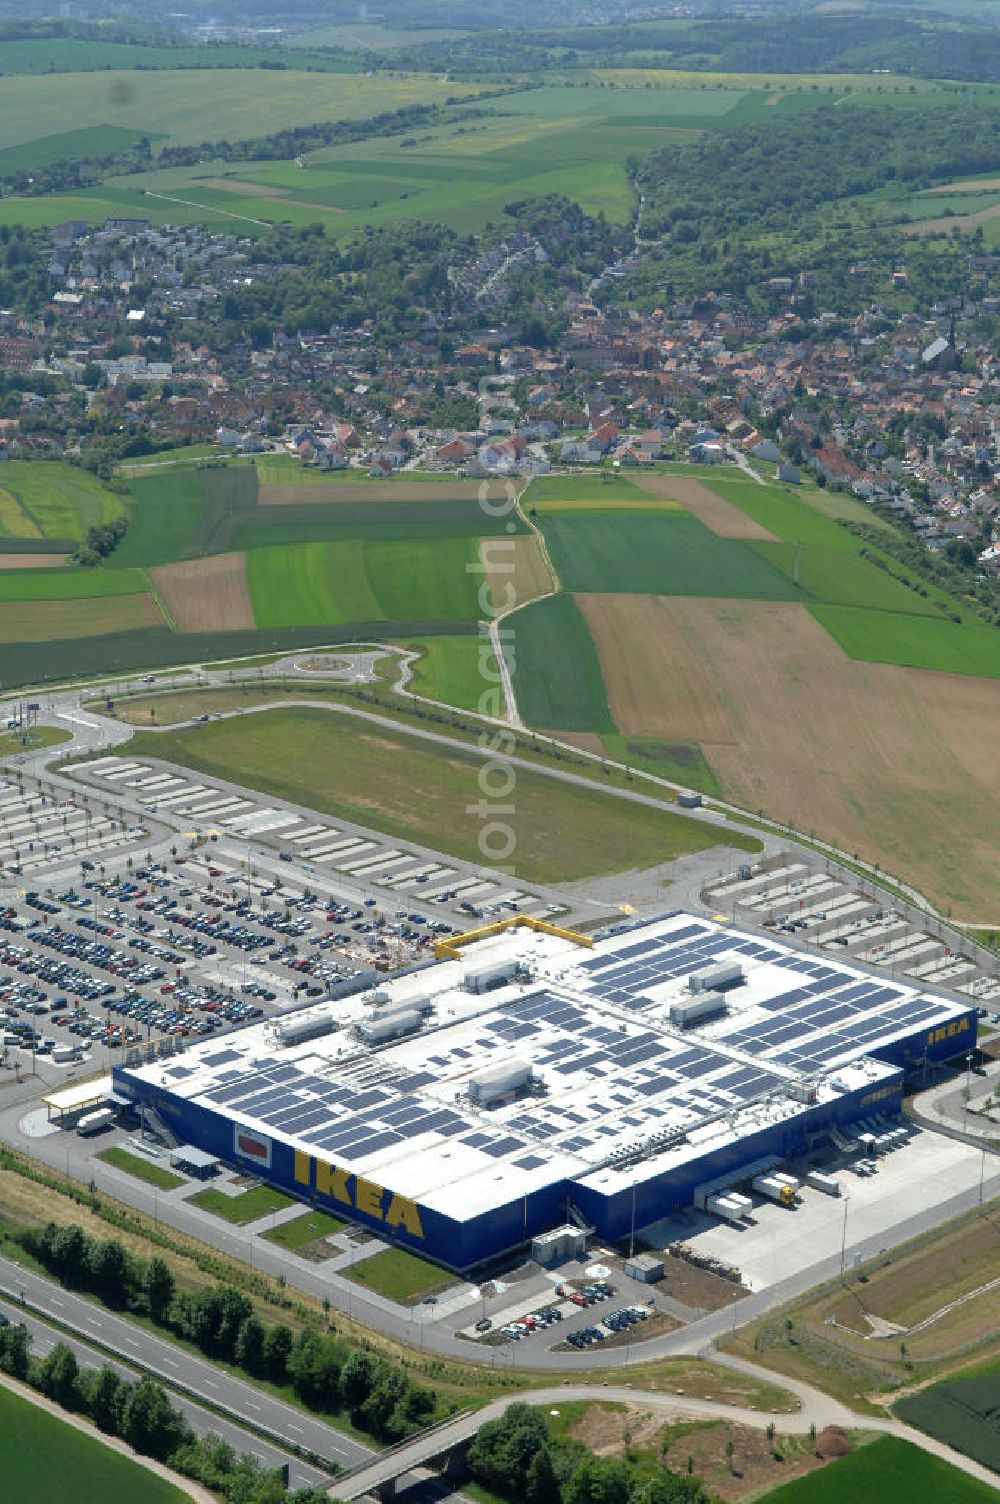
{"points": [[449, 949]]}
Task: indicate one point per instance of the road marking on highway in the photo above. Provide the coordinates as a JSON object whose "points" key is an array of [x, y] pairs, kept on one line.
{"points": [[209, 1384], [169, 1362]]}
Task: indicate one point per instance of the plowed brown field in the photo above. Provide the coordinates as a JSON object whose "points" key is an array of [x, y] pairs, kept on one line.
{"points": [[516, 571], [320, 492], [206, 595], [898, 765], [32, 561], [714, 511]]}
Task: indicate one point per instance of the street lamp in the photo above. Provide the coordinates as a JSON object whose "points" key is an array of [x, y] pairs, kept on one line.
{"points": [[843, 1238]]}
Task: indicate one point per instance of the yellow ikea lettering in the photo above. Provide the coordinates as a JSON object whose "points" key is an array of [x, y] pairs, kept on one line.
{"points": [[332, 1182], [368, 1198], [404, 1213], [303, 1167]]}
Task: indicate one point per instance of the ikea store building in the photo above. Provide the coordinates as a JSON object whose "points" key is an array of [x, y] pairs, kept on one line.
{"points": [[475, 1102]]}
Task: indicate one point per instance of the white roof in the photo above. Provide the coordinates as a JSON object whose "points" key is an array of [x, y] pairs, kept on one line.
{"points": [[620, 1092]]}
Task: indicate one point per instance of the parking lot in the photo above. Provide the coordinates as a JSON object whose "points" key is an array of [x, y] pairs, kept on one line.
{"points": [[399, 876], [180, 948], [40, 828], [789, 896]]}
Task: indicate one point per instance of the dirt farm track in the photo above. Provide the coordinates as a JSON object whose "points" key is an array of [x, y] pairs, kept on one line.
{"points": [[898, 765]]}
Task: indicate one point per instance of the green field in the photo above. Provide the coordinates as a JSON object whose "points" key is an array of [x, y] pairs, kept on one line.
{"points": [[836, 577], [199, 104], [883, 1472], [962, 1412], [72, 55], [555, 669], [93, 141], [398, 1275], [913, 641], [680, 762], [368, 775], [656, 553], [458, 670], [301, 1231], [69, 584], [142, 1169], [43, 1459], [248, 1206], [603, 486], [163, 518], [363, 580], [59, 501]]}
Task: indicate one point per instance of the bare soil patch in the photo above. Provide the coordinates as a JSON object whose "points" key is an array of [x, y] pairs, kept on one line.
{"points": [[612, 1431], [354, 491], [516, 571], [952, 222], [587, 741], [32, 561], [714, 511], [267, 190], [897, 765], [659, 683], [206, 595], [969, 186]]}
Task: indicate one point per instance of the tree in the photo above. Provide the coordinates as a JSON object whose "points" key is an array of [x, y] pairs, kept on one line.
{"points": [[59, 1377], [107, 1396], [109, 1270], [277, 1346], [14, 1344], [70, 1248], [158, 1286], [150, 1423], [540, 1485], [249, 1350]]}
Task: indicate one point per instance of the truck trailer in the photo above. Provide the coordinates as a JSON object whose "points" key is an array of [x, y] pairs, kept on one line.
{"points": [[774, 1189]]}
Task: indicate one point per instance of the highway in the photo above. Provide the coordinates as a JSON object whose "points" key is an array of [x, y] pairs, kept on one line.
{"points": [[44, 1338], [186, 1375]]}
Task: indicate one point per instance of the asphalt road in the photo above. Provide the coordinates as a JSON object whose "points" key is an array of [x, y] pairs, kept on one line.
{"points": [[44, 1338], [177, 1368]]}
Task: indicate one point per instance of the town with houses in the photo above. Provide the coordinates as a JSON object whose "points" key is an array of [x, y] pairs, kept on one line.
{"points": [[901, 410]]}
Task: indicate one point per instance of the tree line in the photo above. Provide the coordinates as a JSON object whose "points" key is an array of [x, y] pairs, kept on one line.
{"points": [[142, 1415], [326, 1372]]}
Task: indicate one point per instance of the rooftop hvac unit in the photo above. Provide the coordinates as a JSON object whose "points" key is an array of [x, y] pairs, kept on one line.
{"points": [[501, 1081], [297, 1029], [387, 1026], [802, 1091], [693, 1010], [717, 978]]}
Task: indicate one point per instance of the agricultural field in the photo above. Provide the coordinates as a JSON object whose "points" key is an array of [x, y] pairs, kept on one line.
{"points": [[887, 1468], [39, 499], [361, 580], [913, 641], [555, 669], [187, 106], [661, 553], [368, 775], [960, 1411], [205, 595], [25, 620], [794, 728], [43, 1457]]}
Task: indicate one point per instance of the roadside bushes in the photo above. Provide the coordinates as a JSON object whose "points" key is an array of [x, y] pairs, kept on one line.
{"points": [[142, 1415], [325, 1371]]}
